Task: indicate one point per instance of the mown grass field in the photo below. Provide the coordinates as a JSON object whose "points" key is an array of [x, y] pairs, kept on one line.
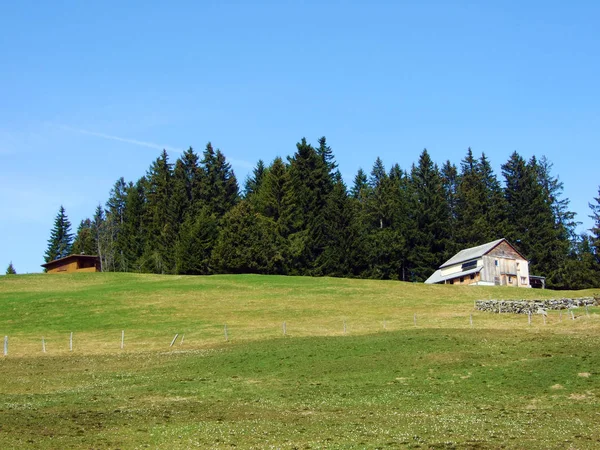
{"points": [[384, 383]]}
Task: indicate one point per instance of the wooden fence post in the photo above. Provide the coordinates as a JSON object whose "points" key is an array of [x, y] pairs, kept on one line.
{"points": [[71, 342], [43, 345], [5, 345], [122, 339], [226, 336], [174, 339]]}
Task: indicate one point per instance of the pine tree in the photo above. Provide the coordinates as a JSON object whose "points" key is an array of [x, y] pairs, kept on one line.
{"points": [[10, 270], [341, 234], [114, 220], [134, 227], [197, 238], [595, 230], [247, 243], [309, 185], [61, 239], [253, 183], [531, 223], [360, 187], [326, 155], [85, 240], [161, 233], [429, 239], [219, 185], [101, 235]]}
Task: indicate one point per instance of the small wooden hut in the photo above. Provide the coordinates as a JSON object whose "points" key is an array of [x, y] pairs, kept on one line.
{"points": [[73, 263]]}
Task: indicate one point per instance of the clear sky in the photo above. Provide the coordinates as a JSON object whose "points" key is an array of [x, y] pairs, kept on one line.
{"points": [[92, 91]]}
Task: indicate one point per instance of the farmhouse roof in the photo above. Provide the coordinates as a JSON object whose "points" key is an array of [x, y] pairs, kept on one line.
{"points": [[69, 258], [469, 254]]}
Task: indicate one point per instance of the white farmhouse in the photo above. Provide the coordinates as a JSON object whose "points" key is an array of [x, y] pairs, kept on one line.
{"points": [[492, 264]]}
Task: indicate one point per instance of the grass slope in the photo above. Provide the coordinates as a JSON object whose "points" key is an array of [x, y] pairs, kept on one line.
{"points": [[441, 384]]}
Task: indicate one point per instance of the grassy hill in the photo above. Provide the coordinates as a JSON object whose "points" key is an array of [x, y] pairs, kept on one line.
{"points": [[384, 382]]}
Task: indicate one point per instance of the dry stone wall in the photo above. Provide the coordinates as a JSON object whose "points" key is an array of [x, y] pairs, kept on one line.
{"points": [[534, 306]]}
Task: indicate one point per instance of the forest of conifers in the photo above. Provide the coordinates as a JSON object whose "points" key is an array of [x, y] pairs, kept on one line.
{"points": [[296, 216]]}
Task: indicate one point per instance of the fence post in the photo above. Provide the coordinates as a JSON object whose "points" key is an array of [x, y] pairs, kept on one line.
{"points": [[71, 342], [43, 345], [471, 320], [226, 336], [174, 339], [415, 319], [122, 339], [5, 345]]}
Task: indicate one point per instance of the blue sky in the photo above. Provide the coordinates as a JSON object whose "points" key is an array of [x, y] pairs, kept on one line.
{"points": [[91, 91]]}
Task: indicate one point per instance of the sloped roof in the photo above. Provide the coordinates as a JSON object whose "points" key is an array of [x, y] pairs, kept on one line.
{"points": [[472, 253], [69, 258], [437, 277]]}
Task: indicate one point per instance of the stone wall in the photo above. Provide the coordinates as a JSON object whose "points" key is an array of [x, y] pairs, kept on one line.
{"points": [[534, 306]]}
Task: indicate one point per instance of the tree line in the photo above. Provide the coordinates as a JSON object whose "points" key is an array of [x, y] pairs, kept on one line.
{"points": [[297, 217]]}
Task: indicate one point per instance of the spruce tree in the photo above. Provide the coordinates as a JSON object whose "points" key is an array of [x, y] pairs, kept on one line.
{"points": [[85, 240], [61, 239], [309, 185], [595, 230], [360, 186], [247, 243], [253, 182], [429, 239], [341, 234], [10, 270], [161, 233], [134, 227], [114, 221], [195, 243], [220, 189], [531, 223]]}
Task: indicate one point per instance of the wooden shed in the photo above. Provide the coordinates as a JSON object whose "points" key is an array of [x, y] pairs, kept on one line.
{"points": [[73, 263]]}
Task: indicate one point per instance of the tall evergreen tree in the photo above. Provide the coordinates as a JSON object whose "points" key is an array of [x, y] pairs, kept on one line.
{"points": [[161, 234], [360, 186], [219, 185], [10, 270], [135, 225], [326, 155], [341, 234], [61, 238], [85, 240], [247, 243], [595, 230], [309, 185], [429, 239], [102, 238], [197, 238], [253, 182], [114, 220], [531, 221]]}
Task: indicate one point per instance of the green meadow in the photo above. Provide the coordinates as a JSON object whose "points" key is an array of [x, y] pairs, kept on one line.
{"points": [[362, 364]]}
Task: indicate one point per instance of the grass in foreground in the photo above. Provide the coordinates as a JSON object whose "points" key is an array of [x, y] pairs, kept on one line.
{"points": [[441, 384]]}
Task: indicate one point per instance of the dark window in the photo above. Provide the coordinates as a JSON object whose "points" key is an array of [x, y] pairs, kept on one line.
{"points": [[496, 262], [462, 279], [472, 276], [469, 265]]}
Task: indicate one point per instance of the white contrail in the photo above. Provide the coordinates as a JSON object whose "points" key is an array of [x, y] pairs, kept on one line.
{"points": [[122, 139], [234, 162]]}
